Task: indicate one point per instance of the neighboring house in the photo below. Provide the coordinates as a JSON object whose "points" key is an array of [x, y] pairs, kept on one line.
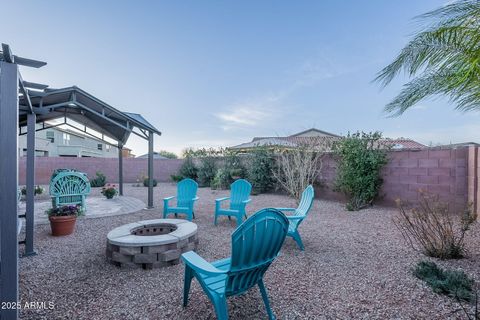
{"points": [[57, 142], [311, 136], [127, 153], [156, 155]]}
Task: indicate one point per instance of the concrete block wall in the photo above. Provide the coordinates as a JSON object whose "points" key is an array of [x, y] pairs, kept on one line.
{"points": [[133, 168], [435, 170]]}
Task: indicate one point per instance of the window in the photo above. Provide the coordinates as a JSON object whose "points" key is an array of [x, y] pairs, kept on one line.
{"points": [[100, 146], [66, 138], [108, 147], [51, 136]]}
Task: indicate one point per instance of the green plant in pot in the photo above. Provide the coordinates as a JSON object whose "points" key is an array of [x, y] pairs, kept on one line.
{"points": [[62, 219], [109, 191]]}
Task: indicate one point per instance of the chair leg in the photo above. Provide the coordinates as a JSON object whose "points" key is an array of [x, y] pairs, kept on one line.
{"points": [[263, 291], [298, 240], [215, 220], [186, 284], [221, 308]]}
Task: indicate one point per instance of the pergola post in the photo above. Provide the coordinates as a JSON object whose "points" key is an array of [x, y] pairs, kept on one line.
{"points": [[120, 169], [29, 215], [150, 170], [9, 187]]}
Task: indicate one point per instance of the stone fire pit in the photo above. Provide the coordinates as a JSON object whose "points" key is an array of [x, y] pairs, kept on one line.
{"points": [[151, 243]]}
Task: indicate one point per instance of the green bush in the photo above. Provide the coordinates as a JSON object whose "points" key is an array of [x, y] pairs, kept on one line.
{"points": [[221, 180], [176, 178], [167, 154], [449, 282], [99, 180], [145, 182], [206, 171], [260, 170], [188, 169], [361, 157]]}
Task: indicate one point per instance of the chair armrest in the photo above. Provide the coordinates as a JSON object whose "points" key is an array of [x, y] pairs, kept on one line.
{"points": [[246, 201], [295, 217], [197, 263], [222, 199], [168, 198], [286, 209]]}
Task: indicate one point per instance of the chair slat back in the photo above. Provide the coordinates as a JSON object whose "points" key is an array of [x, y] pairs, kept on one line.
{"points": [[306, 201], [186, 191], [69, 183], [239, 192], [255, 244]]}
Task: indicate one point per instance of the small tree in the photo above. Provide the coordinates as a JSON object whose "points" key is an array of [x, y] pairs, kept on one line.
{"points": [[361, 157], [260, 170], [167, 154], [300, 166], [207, 171]]}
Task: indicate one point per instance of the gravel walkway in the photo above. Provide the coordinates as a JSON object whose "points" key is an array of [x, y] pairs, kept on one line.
{"points": [[355, 266]]}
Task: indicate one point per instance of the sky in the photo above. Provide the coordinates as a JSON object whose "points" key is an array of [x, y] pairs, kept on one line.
{"points": [[218, 73]]}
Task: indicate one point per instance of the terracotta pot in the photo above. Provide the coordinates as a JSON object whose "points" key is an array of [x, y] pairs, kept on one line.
{"points": [[62, 225]]}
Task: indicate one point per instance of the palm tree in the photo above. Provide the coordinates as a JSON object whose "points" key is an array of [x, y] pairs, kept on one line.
{"points": [[442, 59]]}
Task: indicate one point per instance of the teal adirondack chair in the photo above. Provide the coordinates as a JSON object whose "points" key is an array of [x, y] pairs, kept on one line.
{"points": [[239, 197], [186, 197], [300, 213], [255, 244]]}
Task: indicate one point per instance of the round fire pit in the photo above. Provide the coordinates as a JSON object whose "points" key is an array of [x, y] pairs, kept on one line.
{"points": [[151, 243]]}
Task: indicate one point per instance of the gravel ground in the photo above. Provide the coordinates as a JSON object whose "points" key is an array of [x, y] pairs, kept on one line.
{"points": [[355, 265]]}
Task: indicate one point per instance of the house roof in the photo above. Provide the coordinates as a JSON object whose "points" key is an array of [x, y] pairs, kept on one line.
{"points": [[297, 139]]}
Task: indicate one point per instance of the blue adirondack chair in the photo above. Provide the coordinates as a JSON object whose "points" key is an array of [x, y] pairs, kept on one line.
{"points": [[186, 197], [255, 244], [300, 213], [239, 197]]}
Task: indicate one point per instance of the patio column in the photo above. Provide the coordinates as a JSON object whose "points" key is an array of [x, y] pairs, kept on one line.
{"points": [[9, 186], [150, 170], [29, 215], [120, 169]]}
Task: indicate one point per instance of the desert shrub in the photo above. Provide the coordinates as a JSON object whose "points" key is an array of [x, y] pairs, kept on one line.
{"points": [[231, 169], [260, 170], [206, 171], [432, 229], [221, 180], [188, 169], [145, 182], [167, 154], [99, 180], [299, 167], [449, 282], [37, 190], [361, 156], [176, 178]]}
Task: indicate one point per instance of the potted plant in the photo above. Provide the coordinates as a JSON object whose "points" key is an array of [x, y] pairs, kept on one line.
{"points": [[109, 191], [38, 190], [62, 219]]}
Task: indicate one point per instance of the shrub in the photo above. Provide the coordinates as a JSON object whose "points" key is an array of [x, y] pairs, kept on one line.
{"points": [[167, 154], [206, 171], [176, 178], [432, 229], [222, 179], [109, 191], [188, 169], [361, 156], [453, 283], [260, 170], [299, 167], [37, 190], [145, 182], [99, 180]]}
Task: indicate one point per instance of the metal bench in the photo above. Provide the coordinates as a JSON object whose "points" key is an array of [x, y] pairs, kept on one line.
{"points": [[69, 188]]}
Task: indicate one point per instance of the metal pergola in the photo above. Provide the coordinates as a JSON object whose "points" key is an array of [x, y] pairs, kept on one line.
{"points": [[26, 104]]}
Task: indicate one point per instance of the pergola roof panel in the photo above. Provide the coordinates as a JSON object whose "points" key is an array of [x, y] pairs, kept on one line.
{"points": [[82, 107]]}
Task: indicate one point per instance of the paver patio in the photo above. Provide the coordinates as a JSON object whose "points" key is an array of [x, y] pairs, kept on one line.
{"points": [[355, 265]]}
